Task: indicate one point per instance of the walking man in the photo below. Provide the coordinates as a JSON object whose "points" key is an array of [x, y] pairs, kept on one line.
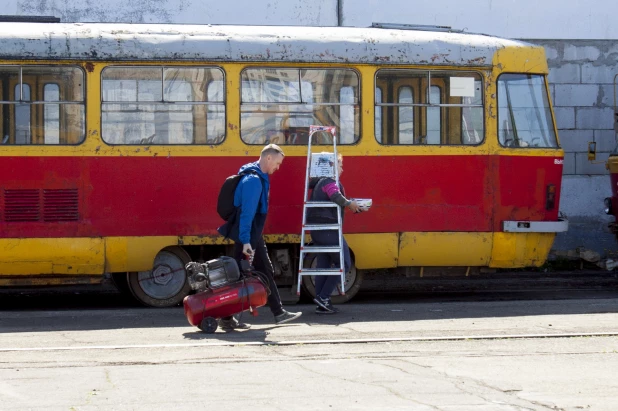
{"points": [[246, 225]]}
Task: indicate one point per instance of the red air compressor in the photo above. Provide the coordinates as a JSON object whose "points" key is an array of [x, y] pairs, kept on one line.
{"points": [[222, 291]]}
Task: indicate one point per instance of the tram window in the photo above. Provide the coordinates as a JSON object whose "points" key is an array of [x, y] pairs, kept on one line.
{"points": [[215, 123], [51, 114], [378, 115], [279, 105], [406, 116], [434, 120], [347, 115], [524, 113], [22, 114], [429, 107], [27, 117], [162, 105]]}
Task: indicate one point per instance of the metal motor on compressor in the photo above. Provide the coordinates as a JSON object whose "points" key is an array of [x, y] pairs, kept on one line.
{"points": [[212, 274], [222, 291]]}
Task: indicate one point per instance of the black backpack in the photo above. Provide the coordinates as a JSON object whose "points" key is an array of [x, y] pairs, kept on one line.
{"points": [[225, 201]]}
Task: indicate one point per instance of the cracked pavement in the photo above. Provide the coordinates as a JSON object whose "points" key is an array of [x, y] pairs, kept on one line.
{"points": [[90, 359]]}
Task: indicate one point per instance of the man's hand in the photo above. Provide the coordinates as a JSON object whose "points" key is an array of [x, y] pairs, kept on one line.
{"points": [[354, 207], [247, 250]]}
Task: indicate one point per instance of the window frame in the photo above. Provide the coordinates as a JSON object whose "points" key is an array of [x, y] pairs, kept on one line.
{"points": [[37, 112], [423, 106], [300, 68], [552, 120], [223, 103]]}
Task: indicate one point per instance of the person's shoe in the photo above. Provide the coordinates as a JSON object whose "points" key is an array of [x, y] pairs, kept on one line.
{"points": [[286, 317], [321, 302], [323, 311], [233, 324], [325, 304]]}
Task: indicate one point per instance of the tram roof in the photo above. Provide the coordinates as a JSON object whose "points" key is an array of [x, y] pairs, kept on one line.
{"points": [[163, 42]]}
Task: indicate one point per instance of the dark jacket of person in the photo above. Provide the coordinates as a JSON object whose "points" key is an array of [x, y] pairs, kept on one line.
{"points": [[325, 189]]}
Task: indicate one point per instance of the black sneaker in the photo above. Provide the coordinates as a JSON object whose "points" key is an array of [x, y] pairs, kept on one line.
{"points": [[286, 317], [322, 311], [325, 304], [232, 324]]}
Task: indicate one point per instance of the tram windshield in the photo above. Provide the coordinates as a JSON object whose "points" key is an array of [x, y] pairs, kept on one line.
{"points": [[524, 114]]}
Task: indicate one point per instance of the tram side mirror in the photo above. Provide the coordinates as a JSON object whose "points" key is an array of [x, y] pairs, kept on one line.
{"points": [[616, 120], [592, 151]]}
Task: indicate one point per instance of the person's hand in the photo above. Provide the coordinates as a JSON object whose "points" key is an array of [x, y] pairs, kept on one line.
{"points": [[354, 207], [247, 250]]}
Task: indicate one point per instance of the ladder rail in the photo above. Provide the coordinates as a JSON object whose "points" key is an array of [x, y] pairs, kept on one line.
{"points": [[340, 212], [304, 249]]}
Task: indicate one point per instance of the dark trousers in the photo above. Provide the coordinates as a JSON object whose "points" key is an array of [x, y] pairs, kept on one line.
{"points": [[326, 284], [262, 263]]}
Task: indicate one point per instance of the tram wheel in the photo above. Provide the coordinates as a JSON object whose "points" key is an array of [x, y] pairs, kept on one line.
{"points": [[166, 284], [208, 325], [353, 281]]}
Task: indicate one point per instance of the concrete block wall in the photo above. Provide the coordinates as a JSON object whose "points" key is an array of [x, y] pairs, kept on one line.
{"points": [[581, 77]]}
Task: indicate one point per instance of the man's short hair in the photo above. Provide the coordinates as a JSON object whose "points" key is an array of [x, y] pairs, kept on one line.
{"points": [[271, 149]]}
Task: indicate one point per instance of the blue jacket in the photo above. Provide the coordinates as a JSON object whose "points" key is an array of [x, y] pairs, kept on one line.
{"points": [[251, 197]]}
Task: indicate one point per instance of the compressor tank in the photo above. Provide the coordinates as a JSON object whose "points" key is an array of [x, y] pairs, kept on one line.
{"points": [[225, 301]]}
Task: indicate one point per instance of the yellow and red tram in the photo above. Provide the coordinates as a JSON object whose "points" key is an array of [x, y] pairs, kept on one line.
{"points": [[115, 140]]}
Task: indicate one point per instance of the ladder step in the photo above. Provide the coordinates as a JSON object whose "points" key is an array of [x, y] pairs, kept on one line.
{"points": [[315, 227], [319, 249], [319, 271], [320, 204]]}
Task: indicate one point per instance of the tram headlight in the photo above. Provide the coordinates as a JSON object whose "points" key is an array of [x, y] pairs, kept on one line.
{"points": [[608, 206]]}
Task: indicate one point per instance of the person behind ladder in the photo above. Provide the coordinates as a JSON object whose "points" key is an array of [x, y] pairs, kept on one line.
{"points": [[326, 189]]}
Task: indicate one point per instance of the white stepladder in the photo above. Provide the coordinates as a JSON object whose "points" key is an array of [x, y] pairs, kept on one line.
{"points": [[321, 168]]}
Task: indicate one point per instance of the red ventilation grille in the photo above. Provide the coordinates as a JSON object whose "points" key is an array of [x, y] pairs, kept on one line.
{"points": [[21, 205], [60, 205]]}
